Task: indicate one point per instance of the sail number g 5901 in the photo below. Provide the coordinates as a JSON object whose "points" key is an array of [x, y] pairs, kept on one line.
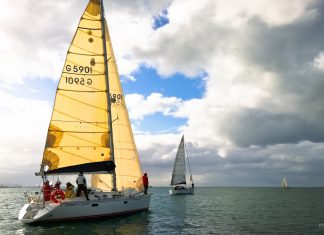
{"points": [[78, 69]]}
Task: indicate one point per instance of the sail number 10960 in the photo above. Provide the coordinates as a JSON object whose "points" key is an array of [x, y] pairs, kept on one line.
{"points": [[78, 69]]}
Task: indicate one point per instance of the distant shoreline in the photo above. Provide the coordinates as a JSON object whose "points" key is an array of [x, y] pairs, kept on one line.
{"points": [[17, 186], [4, 186]]}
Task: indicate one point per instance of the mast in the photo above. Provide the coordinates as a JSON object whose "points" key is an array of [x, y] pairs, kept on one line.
{"points": [[110, 133], [184, 160], [185, 147]]}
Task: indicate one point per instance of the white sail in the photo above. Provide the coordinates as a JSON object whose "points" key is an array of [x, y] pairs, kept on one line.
{"points": [[179, 168], [178, 180], [284, 183]]}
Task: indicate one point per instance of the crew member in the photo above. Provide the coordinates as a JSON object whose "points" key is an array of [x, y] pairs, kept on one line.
{"points": [[57, 185], [145, 183], [47, 191], [69, 191], [82, 185]]}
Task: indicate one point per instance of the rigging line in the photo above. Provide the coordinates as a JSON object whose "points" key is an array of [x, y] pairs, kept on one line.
{"points": [[78, 156], [67, 146], [59, 89], [134, 176], [72, 44], [82, 139], [100, 181], [77, 118], [78, 101], [81, 132], [124, 126], [129, 149], [82, 18], [87, 16], [89, 28], [56, 120], [115, 119], [188, 161], [74, 53]]}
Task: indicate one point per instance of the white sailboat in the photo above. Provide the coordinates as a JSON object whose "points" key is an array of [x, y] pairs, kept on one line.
{"points": [[284, 183], [90, 132], [178, 180]]}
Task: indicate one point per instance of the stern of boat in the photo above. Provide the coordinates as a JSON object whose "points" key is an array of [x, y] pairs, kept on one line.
{"points": [[184, 191], [28, 213], [34, 212]]}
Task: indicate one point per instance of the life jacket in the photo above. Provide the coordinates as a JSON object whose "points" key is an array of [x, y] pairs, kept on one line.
{"points": [[69, 192], [47, 192]]}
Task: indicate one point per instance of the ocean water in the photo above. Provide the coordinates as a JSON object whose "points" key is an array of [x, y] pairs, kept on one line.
{"points": [[217, 210]]}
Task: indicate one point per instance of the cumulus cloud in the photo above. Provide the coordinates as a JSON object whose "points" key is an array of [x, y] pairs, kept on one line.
{"points": [[319, 61], [138, 106], [262, 106], [264, 77], [256, 71], [40, 33], [23, 125]]}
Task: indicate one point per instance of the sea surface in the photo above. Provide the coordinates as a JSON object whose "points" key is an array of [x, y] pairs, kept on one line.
{"points": [[218, 210]]}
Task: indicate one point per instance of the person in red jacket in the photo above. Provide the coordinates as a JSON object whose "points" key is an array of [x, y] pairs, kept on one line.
{"points": [[145, 183], [47, 190], [57, 185]]}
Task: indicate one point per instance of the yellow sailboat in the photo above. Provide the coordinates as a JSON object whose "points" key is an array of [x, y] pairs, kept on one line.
{"points": [[90, 132]]}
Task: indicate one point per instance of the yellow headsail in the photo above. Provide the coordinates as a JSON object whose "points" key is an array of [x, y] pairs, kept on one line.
{"points": [[79, 128], [128, 168]]}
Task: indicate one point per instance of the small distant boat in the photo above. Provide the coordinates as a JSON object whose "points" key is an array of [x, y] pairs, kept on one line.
{"points": [[90, 132], [178, 181], [284, 183]]}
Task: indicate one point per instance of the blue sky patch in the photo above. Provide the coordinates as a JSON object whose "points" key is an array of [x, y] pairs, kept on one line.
{"points": [[37, 89], [158, 123], [160, 20], [148, 81]]}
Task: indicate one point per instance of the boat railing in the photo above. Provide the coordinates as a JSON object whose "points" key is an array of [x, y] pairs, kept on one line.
{"points": [[33, 198]]}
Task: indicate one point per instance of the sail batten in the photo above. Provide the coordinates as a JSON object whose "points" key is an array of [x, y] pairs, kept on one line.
{"points": [[82, 54]]}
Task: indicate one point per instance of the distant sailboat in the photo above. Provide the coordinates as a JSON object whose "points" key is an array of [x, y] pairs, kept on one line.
{"points": [[178, 180], [90, 132], [284, 183]]}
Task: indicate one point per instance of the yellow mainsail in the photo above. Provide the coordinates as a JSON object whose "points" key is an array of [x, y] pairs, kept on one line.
{"points": [[79, 128]]}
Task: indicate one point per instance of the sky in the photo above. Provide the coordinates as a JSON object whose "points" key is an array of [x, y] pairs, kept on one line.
{"points": [[243, 80]]}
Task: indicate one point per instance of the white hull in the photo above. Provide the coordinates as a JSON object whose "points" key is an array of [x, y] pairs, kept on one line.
{"points": [[78, 208], [184, 191]]}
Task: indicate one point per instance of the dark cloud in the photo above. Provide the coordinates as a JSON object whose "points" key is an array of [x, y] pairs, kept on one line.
{"points": [[259, 127], [252, 166], [287, 51]]}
